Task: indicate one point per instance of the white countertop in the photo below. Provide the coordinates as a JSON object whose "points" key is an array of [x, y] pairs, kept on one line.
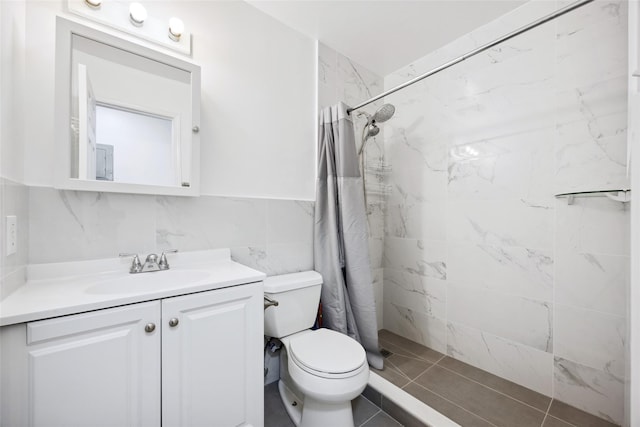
{"points": [[60, 289]]}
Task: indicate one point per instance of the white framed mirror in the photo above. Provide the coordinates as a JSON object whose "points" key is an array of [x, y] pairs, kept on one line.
{"points": [[127, 116]]}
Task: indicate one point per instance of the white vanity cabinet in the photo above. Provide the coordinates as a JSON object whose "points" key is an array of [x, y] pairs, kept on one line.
{"points": [[189, 360], [212, 362]]}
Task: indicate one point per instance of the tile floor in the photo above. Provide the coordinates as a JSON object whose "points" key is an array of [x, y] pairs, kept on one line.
{"points": [[469, 396], [365, 413]]}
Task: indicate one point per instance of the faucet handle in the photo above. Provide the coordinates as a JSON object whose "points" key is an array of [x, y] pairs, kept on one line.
{"points": [[136, 265], [163, 263]]}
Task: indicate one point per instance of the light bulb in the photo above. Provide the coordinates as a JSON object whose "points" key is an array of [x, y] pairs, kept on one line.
{"points": [[94, 4], [137, 14], [176, 28]]}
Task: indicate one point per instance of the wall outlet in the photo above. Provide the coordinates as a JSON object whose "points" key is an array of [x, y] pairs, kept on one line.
{"points": [[12, 234]]}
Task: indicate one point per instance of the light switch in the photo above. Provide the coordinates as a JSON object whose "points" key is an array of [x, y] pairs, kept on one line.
{"points": [[12, 234]]}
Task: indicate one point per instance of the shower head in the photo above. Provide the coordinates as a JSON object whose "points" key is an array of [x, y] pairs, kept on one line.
{"points": [[372, 130], [383, 113]]}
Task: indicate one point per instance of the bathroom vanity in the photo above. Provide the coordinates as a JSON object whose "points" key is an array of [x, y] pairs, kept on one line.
{"points": [[87, 344]]}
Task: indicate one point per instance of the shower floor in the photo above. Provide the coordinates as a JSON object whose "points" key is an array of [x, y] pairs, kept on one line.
{"points": [[469, 396]]}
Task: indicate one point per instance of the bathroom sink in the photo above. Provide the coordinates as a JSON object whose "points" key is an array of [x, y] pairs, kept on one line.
{"points": [[148, 282]]}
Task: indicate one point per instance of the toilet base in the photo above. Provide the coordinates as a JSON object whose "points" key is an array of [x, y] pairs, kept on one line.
{"points": [[313, 413], [292, 403]]}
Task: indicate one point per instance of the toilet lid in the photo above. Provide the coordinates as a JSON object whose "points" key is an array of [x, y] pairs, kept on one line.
{"points": [[327, 351]]}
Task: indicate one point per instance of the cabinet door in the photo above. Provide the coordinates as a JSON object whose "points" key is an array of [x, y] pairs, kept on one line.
{"points": [[95, 369], [212, 358]]}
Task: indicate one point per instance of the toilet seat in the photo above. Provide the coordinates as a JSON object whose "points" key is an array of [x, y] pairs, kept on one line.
{"points": [[327, 354]]}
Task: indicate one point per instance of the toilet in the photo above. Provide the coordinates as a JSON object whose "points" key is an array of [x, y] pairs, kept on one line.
{"points": [[321, 370]]}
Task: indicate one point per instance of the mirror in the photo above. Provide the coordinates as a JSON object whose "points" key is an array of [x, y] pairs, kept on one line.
{"points": [[127, 116]]}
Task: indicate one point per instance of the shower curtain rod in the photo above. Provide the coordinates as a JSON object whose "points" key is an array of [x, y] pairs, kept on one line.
{"points": [[476, 51]]}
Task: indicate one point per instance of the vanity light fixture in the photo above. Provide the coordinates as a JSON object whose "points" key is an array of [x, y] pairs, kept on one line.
{"points": [[135, 18], [176, 28], [94, 4], [137, 14]]}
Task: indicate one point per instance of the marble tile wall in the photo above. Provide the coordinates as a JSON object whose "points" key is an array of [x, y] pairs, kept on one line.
{"points": [[481, 261], [14, 200], [341, 79], [273, 236]]}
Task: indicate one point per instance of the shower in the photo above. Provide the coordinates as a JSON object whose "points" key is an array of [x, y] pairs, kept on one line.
{"points": [[381, 115], [370, 129]]}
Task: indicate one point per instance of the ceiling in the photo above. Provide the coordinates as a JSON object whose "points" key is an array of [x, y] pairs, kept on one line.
{"points": [[385, 35]]}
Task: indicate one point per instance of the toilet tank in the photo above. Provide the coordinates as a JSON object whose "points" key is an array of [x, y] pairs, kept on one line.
{"points": [[298, 295]]}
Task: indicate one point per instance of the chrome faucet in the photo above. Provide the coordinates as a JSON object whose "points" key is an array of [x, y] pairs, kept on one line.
{"points": [[151, 263]]}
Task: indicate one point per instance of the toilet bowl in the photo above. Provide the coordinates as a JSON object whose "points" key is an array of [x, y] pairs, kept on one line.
{"points": [[321, 370]]}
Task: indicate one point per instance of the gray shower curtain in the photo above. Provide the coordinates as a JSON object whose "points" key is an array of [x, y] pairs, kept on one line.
{"points": [[341, 250]]}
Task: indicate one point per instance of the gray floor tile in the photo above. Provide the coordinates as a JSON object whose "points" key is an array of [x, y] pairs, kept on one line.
{"points": [[382, 420], [408, 345], [275, 414], [446, 408], [523, 394], [554, 422], [494, 407], [362, 410], [575, 416], [391, 374], [412, 368], [395, 349]]}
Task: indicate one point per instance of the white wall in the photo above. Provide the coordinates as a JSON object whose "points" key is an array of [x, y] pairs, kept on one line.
{"points": [[13, 195], [258, 142], [11, 87], [258, 98]]}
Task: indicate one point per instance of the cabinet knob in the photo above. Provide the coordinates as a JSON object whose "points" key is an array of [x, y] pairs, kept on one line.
{"points": [[173, 322], [150, 327]]}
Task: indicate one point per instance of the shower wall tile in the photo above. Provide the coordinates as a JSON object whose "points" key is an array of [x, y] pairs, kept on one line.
{"points": [[375, 214], [252, 256], [14, 200], [516, 166], [590, 103], [210, 222], [289, 221], [530, 321], [512, 270], [420, 294], [421, 257], [274, 236], [592, 154], [410, 217], [88, 225], [593, 225], [592, 390], [376, 250], [592, 281], [515, 362], [419, 177], [520, 223], [584, 50], [477, 153], [358, 83], [591, 338], [289, 257], [416, 326]]}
